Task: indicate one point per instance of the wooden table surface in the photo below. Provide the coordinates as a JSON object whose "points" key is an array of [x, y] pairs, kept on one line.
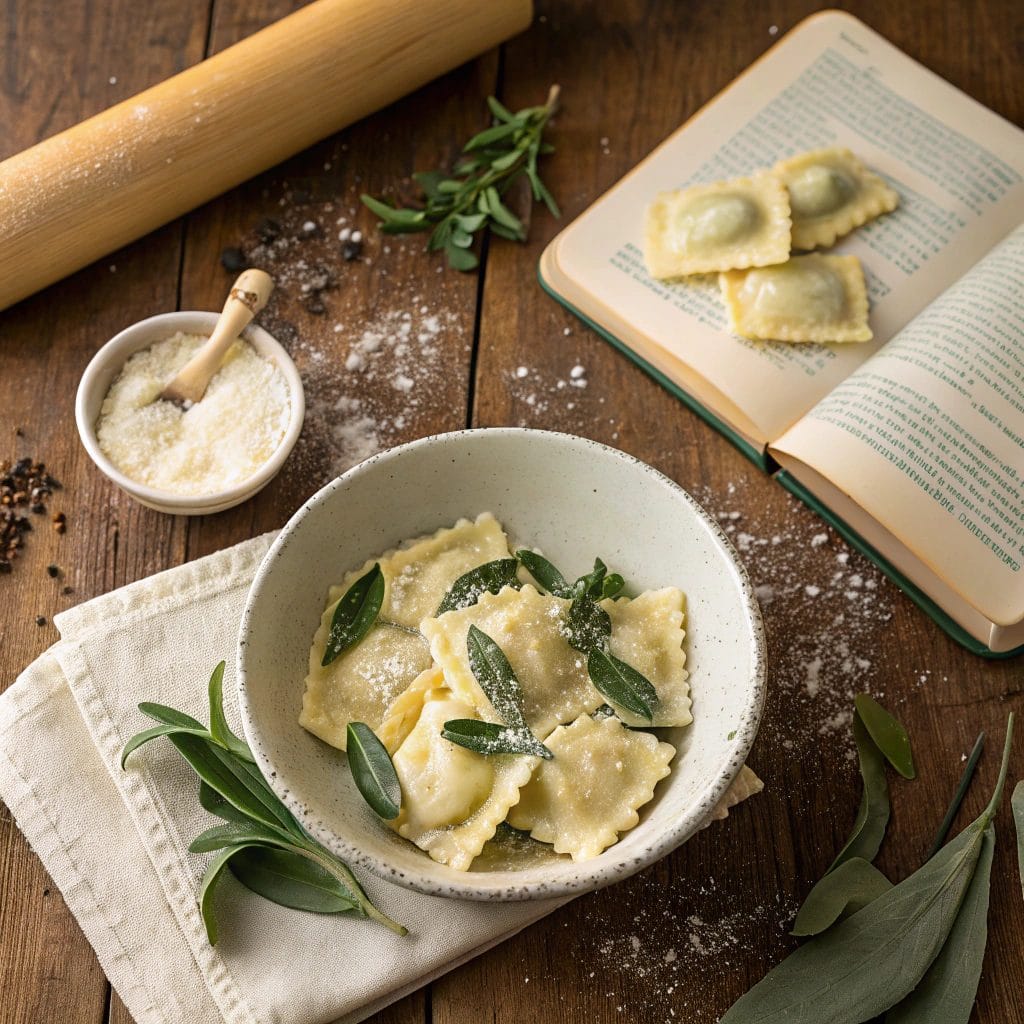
{"points": [[687, 937]]}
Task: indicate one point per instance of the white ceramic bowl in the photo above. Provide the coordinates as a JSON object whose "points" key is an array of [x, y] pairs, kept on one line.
{"points": [[107, 364], [575, 499]]}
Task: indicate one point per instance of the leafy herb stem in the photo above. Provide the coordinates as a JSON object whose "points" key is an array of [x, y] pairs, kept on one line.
{"points": [[457, 206]]}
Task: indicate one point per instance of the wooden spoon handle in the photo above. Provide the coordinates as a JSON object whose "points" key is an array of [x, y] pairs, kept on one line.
{"points": [[248, 296]]}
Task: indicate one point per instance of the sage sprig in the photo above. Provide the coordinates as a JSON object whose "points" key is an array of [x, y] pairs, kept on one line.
{"points": [[874, 959], [458, 205], [260, 840], [544, 573], [355, 613], [372, 771], [622, 684], [492, 738], [887, 734], [498, 680], [488, 578]]}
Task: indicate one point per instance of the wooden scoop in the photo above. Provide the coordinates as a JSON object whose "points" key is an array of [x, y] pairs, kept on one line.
{"points": [[249, 295]]}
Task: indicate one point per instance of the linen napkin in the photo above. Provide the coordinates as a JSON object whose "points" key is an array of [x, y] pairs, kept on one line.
{"points": [[116, 841]]}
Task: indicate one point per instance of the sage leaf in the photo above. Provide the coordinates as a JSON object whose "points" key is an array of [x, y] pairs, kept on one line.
{"points": [[496, 677], [219, 728], [232, 834], [487, 578], [1017, 802], [207, 889], [490, 738], [169, 716], [210, 800], [544, 573], [228, 777], [460, 259], [586, 626], [373, 772], [948, 990], [355, 613], [958, 796], [851, 887], [612, 585], [622, 684], [590, 584], [888, 735], [157, 731], [871, 961], [292, 881], [873, 813]]}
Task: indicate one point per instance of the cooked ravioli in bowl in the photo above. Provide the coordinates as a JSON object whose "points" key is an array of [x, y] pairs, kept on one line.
{"points": [[579, 668], [550, 724]]}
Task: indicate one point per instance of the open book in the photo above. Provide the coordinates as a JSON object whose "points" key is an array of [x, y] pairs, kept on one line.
{"points": [[912, 445]]}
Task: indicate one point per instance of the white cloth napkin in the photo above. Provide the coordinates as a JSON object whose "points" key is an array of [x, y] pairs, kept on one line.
{"points": [[116, 841]]}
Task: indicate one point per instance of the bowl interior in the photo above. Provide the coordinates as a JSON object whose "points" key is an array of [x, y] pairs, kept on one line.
{"points": [[574, 499], [107, 364]]}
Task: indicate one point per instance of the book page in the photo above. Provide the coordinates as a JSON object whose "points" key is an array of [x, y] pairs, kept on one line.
{"points": [[958, 168], [928, 436]]}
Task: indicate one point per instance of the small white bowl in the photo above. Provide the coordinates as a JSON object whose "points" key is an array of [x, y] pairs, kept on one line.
{"points": [[106, 365], [575, 499]]}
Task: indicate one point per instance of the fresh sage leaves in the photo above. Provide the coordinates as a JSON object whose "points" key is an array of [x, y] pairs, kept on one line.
{"points": [[372, 771], [487, 578], [492, 738], [887, 734], [876, 958], [456, 206], [497, 679], [587, 626], [260, 841], [544, 573], [355, 613], [622, 684], [873, 813], [842, 892]]}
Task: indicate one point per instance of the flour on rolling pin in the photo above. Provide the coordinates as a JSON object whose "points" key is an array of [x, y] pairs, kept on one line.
{"points": [[215, 444], [97, 186]]}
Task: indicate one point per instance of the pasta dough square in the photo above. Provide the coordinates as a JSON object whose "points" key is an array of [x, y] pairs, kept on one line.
{"points": [[725, 226], [453, 799], [601, 775], [830, 193], [810, 298], [527, 626], [361, 682], [418, 575], [647, 633]]}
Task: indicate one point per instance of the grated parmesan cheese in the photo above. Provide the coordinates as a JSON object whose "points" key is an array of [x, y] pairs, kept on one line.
{"points": [[213, 445]]}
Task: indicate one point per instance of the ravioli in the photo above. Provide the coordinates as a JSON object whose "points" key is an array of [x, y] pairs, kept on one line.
{"points": [[810, 298], [744, 786], [830, 193], [404, 712], [419, 574], [591, 790], [453, 799], [361, 682], [647, 633], [527, 626], [725, 226]]}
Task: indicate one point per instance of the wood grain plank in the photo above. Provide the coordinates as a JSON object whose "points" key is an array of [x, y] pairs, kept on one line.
{"points": [[59, 67], [687, 937]]}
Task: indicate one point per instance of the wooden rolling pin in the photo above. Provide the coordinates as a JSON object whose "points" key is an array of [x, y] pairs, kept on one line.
{"points": [[109, 180]]}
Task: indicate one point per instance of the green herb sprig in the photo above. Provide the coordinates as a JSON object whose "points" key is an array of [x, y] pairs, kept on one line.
{"points": [[372, 771], [260, 841], [497, 679], [488, 578], [457, 206], [915, 950], [355, 613]]}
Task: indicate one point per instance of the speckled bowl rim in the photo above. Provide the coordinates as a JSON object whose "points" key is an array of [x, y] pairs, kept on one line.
{"points": [[138, 336], [588, 875]]}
